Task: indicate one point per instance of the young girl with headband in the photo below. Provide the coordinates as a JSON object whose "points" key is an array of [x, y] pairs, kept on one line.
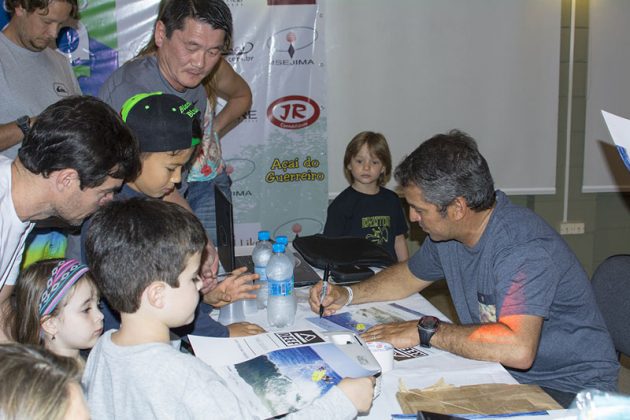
{"points": [[56, 304]]}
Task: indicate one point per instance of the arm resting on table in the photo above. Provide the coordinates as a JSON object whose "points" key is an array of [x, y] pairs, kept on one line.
{"points": [[512, 341]]}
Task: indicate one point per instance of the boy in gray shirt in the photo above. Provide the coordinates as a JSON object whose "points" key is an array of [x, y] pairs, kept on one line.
{"points": [[145, 255]]}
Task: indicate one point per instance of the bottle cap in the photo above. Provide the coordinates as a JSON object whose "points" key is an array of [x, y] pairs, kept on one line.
{"points": [[282, 239], [263, 235], [278, 248]]}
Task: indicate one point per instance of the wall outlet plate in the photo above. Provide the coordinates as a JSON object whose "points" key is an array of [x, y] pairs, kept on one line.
{"points": [[572, 228]]}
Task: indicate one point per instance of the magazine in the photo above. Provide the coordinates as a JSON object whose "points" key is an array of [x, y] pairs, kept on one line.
{"points": [[359, 319], [279, 373]]}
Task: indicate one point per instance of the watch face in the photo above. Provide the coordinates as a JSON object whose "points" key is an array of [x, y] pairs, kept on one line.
{"points": [[429, 322]]}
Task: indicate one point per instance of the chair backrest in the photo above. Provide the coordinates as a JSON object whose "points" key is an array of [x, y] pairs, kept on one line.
{"points": [[611, 284]]}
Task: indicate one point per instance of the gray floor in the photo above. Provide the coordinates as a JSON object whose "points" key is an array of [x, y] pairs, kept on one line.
{"points": [[440, 298]]}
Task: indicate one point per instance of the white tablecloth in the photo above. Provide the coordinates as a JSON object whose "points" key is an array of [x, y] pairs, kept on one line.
{"points": [[414, 373]]}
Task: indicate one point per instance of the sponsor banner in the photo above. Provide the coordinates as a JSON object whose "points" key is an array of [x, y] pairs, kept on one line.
{"points": [[276, 156]]}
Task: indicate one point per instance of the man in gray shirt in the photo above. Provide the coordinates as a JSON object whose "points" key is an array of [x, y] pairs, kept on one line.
{"points": [[521, 295], [32, 75], [185, 58]]}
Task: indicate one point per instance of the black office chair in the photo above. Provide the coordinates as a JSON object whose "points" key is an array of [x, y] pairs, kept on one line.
{"points": [[611, 283]]}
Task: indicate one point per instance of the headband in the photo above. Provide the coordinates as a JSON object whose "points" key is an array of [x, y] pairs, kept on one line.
{"points": [[65, 274]]}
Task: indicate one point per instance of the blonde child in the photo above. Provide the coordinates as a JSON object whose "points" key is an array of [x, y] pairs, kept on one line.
{"points": [[366, 208], [56, 305], [39, 385]]}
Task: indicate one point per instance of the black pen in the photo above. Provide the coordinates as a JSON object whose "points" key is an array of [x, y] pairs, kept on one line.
{"points": [[324, 291]]}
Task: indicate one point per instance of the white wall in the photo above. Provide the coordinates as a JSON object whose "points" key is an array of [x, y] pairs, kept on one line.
{"points": [[414, 68], [608, 89]]}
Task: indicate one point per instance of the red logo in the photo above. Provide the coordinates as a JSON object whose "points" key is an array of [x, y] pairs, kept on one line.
{"points": [[288, 2], [293, 112]]}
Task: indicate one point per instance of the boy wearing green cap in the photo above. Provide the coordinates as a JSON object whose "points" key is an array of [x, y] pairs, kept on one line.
{"points": [[168, 130]]}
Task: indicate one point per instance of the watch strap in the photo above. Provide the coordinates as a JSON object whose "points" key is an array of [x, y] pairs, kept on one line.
{"points": [[24, 123], [425, 337], [424, 333]]}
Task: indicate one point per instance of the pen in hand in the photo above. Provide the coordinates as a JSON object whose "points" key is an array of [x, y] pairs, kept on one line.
{"points": [[324, 291], [230, 273], [321, 298]]}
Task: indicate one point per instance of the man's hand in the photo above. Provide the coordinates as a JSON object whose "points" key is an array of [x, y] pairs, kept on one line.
{"points": [[237, 286], [334, 300], [399, 334], [242, 329]]}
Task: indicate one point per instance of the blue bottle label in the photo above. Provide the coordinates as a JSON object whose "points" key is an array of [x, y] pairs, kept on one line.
{"points": [[281, 288]]}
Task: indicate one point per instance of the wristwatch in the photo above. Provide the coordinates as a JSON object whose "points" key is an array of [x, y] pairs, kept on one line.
{"points": [[427, 326], [24, 122]]}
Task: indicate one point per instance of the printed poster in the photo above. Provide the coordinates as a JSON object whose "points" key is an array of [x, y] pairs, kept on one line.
{"points": [[360, 319]]}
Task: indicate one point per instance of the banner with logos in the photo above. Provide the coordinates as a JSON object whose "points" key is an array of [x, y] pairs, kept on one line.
{"points": [[277, 155]]}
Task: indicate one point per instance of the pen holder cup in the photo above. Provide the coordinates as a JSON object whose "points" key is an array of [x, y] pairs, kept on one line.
{"points": [[233, 312]]}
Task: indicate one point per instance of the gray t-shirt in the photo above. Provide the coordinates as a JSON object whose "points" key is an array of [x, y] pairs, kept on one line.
{"points": [[31, 81], [157, 381], [142, 75], [521, 266]]}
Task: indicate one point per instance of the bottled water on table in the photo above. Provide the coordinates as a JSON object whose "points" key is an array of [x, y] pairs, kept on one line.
{"points": [[281, 304], [282, 239], [260, 255]]}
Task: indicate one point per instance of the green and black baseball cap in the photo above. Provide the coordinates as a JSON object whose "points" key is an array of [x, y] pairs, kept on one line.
{"points": [[162, 122]]}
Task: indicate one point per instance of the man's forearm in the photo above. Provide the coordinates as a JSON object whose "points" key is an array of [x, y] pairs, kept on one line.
{"points": [[235, 90], [230, 114], [496, 342], [393, 283], [10, 135]]}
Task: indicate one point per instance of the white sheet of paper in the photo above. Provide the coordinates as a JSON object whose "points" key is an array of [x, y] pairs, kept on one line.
{"points": [[230, 351], [619, 129]]}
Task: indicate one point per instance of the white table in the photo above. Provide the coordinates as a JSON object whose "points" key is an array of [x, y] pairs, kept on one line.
{"points": [[414, 373]]}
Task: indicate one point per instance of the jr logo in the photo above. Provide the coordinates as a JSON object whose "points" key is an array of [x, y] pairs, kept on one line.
{"points": [[293, 112]]}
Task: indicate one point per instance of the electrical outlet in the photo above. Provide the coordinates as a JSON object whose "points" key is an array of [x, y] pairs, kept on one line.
{"points": [[572, 228]]}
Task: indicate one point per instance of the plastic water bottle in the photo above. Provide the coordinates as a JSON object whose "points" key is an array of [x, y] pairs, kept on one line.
{"points": [[281, 305], [282, 239], [260, 255]]}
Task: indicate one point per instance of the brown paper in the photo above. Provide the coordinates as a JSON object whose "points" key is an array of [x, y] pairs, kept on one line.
{"points": [[476, 399]]}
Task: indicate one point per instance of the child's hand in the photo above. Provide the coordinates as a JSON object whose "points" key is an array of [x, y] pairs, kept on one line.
{"points": [[360, 391], [242, 329], [209, 267], [235, 287]]}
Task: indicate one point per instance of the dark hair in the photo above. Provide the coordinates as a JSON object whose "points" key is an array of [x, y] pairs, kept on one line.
{"points": [[35, 382], [133, 243], [377, 146], [82, 133], [173, 13], [31, 5], [448, 166]]}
